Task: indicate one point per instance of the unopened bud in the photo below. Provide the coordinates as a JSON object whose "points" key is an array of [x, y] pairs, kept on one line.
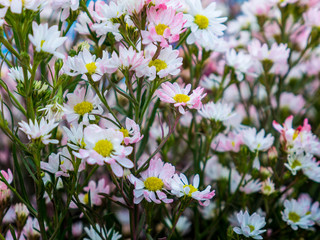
{"points": [[22, 214], [272, 153], [58, 65]]}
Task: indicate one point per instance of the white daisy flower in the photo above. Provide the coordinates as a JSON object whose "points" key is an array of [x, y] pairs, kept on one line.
{"points": [[93, 235], [75, 136], [167, 63], [82, 105], [86, 64], [220, 112], [267, 187], [250, 226], [240, 61], [46, 39], [82, 24], [313, 171], [53, 111], [39, 131], [59, 164], [298, 161], [180, 187], [296, 215], [16, 6], [205, 24], [106, 16], [250, 186], [257, 141], [66, 5], [16, 73]]}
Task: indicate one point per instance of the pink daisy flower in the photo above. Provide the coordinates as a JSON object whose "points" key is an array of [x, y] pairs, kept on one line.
{"points": [[104, 146], [8, 177], [173, 93], [164, 27], [93, 192], [181, 187], [154, 184], [5, 192], [131, 132], [129, 59]]}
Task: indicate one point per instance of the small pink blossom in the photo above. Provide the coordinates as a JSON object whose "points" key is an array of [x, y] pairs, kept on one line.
{"points": [[312, 17], [173, 93], [131, 132], [277, 53], [165, 26], [128, 59], [154, 184], [231, 142], [8, 177], [93, 192]]}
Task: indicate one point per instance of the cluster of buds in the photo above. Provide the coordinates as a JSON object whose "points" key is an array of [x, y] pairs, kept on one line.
{"points": [[5, 192]]}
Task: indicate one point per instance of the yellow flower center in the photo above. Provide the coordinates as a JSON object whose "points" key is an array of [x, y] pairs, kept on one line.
{"points": [[42, 42], [293, 217], [267, 188], [83, 144], [125, 132], [83, 108], [160, 28], [251, 227], [192, 189], [104, 148], [181, 98], [153, 184], [201, 21], [86, 198], [295, 164], [295, 134], [159, 64], [91, 67]]}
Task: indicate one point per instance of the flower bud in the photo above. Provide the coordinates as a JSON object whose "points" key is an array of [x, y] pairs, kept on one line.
{"points": [[22, 214], [272, 153]]}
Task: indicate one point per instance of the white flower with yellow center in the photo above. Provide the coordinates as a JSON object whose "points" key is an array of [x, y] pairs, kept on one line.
{"points": [[181, 187], [82, 105], [296, 215], [46, 39], [267, 187], [86, 64], [205, 24], [105, 146], [249, 226], [167, 63], [299, 161], [154, 184], [257, 141]]}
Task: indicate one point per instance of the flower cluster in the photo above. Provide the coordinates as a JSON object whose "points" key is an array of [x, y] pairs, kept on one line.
{"points": [[169, 119]]}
